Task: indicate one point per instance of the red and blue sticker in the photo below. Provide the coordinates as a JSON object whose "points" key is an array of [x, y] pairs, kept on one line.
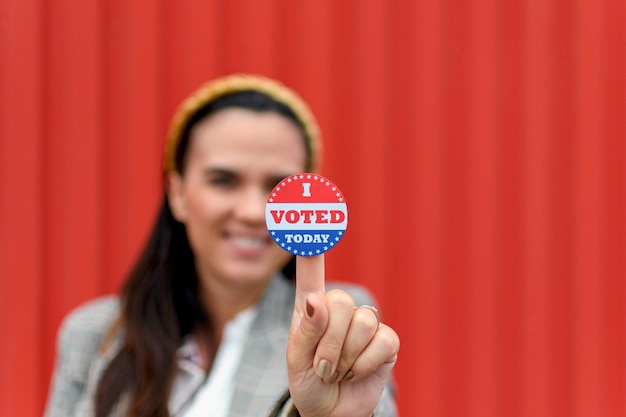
{"points": [[306, 214]]}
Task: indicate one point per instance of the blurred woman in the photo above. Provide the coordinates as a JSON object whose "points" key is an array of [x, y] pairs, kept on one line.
{"points": [[211, 320]]}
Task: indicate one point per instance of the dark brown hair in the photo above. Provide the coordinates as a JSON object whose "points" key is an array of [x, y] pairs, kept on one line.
{"points": [[160, 304]]}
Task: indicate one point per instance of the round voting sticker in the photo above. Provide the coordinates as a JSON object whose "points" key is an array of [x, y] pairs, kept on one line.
{"points": [[306, 214]]}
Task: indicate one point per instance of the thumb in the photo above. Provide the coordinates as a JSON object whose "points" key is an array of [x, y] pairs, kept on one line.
{"points": [[307, 331]]}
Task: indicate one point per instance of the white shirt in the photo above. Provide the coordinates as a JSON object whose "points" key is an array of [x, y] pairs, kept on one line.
{"points": [[214, 396]]}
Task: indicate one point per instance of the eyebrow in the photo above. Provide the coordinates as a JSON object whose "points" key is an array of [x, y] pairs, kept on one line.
{"points": [[219, 171]]}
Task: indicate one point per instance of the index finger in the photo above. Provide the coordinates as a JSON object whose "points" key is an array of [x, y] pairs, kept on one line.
{"points": [[309, 280], [310, 276]]}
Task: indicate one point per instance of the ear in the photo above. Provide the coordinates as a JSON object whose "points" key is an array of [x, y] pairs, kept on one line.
{"points": [[176, 196]]}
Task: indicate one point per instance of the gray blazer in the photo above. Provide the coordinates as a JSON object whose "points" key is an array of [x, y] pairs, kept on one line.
{"points": [[259, 382]]}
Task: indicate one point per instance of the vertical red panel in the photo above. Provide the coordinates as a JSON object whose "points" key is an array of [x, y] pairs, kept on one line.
{"points": [[614, 188], [249, 32], [135, 129], [193, 45], [22, 377], [562, 130], [482, 249], [305, 63], [537, 376], [509, 205], [74, 173], [414, 271], [455, 200], [370, 195], [588, 272]]}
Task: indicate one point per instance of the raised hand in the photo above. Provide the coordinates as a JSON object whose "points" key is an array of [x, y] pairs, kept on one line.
{"points": [[339, 356]]}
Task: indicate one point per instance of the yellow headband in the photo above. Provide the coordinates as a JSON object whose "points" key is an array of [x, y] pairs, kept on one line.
{"points": [[231, 84]]}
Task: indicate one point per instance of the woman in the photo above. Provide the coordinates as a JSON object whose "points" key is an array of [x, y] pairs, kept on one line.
{"points": [[208, 322]]}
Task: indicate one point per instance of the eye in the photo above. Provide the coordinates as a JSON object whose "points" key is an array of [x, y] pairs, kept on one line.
{"points": [[222, 179]]}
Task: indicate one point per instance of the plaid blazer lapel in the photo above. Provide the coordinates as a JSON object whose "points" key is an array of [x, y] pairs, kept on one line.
{"points": [[262, 374]]}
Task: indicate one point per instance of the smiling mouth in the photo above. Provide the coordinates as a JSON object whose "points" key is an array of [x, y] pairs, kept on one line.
{"points": [[249, 243]]}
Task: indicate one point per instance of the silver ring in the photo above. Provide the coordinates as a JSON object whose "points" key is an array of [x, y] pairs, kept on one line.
{"points": [[373, 309]]}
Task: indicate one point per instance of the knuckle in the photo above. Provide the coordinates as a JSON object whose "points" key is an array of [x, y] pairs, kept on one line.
{"points": [[331, 345], [364, 319], [388, 339], [340, 298]]}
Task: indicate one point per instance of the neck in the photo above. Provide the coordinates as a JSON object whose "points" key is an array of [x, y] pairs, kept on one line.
{"points": [[224, 302]]}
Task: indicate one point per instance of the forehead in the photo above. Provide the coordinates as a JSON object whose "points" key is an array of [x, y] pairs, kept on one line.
{"points": [[241, 136]]}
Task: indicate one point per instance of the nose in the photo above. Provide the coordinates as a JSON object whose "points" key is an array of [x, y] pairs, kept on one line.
{"points": [[250, 206]]}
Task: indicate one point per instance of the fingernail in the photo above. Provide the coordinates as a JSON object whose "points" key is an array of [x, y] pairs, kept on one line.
{"points": [[348, 376], [309, 310], [332, 379], [323, 369]]}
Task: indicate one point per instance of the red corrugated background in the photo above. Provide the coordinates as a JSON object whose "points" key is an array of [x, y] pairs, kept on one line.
{"points": [[481, 146]]}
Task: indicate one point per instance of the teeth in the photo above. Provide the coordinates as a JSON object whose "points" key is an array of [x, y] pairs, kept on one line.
{"points": [[248, 242]]}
